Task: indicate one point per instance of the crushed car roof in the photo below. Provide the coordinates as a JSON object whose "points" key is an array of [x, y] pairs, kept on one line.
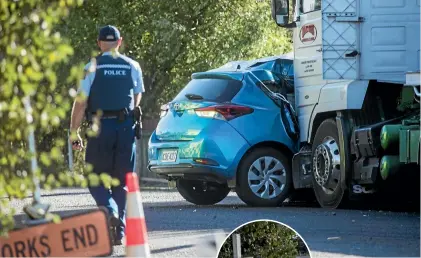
{"points": [[242, 65]]}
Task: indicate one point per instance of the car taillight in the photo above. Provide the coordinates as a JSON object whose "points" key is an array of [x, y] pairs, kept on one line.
{"points": [[223, 112], [164, 110]]}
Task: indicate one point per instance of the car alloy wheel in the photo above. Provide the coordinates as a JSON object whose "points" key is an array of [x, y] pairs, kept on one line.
{"points": [[267, 177]]}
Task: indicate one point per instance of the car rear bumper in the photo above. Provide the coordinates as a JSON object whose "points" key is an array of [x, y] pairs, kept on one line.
{"points": [[223, 146], [190, 171]]}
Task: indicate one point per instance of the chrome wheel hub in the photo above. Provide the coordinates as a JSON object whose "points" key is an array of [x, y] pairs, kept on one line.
{"points": [[327, 165], [267, 177]]}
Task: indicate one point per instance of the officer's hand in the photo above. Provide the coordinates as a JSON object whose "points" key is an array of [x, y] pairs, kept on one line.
{"points": [[77, 144]]}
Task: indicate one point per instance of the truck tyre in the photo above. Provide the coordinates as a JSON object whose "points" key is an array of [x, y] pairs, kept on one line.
{"points": [[264, 178], [326, 168], [195, 191]]}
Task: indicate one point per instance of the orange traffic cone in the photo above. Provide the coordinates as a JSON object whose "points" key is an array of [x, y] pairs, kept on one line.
{"points": [[136, 233]]}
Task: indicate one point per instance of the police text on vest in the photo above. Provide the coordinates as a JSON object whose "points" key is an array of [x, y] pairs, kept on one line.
{"points": [[114, 72]]}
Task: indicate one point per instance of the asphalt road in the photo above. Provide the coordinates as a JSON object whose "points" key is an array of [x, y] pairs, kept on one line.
{"points": [[179, 229]]}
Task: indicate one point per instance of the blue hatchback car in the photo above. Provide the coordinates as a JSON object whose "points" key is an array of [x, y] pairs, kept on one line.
{"points": [[230, 128]]}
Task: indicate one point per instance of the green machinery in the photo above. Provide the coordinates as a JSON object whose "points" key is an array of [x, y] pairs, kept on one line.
{"points": [[401, 142]]}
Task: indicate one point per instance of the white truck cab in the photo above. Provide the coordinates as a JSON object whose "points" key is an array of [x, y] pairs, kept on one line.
{"points": [[352, 63]]}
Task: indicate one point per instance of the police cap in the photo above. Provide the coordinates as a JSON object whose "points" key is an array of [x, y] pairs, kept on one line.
{"points": [[109, 33]]}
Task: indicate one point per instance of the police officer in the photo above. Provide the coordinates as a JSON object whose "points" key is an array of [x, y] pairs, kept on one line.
{"points": [[113, 86]]}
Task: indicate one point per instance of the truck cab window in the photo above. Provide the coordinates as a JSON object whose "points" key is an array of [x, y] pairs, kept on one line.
{"points": [[308, 6]]}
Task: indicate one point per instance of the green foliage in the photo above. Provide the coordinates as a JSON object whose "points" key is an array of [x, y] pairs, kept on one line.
{"points": [[32, 52], [265, 239]]}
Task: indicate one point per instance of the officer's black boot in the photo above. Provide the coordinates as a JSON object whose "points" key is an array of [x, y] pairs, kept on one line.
{"points": [[114, 222], [118, 240]]}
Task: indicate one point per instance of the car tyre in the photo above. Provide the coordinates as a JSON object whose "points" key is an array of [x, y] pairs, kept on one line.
{"points": [[248, 171], [326, 169], [195, 192]]}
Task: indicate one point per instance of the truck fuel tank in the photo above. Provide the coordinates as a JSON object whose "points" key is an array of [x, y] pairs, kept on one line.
{"points": [[389, 165]]}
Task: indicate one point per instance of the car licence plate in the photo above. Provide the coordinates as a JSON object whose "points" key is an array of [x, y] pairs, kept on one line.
{"points": [[169, 156]]}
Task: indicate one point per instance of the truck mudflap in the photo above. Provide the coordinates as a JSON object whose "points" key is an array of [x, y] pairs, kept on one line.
{"points": [[344, 135]]}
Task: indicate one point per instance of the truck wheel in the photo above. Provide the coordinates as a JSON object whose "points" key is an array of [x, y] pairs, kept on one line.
{"points": [[200, 193], [326, 166], [264, 178]]}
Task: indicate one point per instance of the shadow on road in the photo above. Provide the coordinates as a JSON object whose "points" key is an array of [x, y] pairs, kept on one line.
{"points": [[65, 194], [169, 249], [374, 204]]}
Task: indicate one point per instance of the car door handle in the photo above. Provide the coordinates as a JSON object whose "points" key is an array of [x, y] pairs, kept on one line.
{"points": [[319, 50]]}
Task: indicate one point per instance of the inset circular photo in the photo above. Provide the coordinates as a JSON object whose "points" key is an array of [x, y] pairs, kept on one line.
{"points": [[264, 239]]}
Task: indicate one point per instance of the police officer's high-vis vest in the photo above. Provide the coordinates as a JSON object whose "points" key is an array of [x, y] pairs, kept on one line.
{"points": [[112, 88]]}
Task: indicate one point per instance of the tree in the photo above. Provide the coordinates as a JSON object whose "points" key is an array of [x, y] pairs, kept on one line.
{"points": [[265, 239], [32, 52]]}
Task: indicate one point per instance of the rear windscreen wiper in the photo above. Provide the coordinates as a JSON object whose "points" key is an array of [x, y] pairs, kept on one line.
{"points": [[193, 96]]}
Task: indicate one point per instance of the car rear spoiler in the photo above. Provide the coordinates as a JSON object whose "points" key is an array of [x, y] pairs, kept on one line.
{"points": [[218, 75]]}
